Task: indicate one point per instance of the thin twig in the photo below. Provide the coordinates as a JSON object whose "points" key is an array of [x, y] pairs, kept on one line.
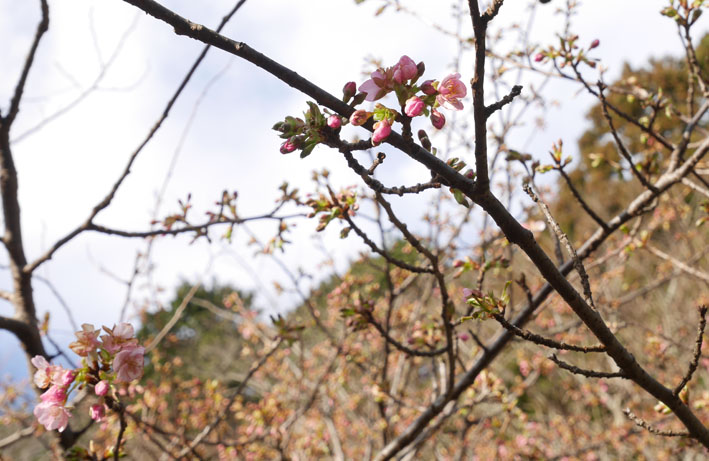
{"points": [[584, 372], [653, 430], [697, 350], [541, 340]]}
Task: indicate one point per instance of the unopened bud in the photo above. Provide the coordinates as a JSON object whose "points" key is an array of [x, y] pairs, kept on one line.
{"points": [[437, 119], [348, 91], [539, 57], [421, 68], [334, 121], [359, 117], [425, 141], [428, 88], [594, 44]]}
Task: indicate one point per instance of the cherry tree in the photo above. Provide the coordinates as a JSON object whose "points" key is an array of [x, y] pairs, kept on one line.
{"points": [[531, 338]]}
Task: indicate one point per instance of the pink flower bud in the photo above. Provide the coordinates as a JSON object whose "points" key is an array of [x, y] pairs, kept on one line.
{"points": [[428, 88], [288, 146], [594, 44], [359, 117], [349, 90], [414, 106], [437, 119], [405, 69], [539, 57], [382, 129], [97, 411], [463, 336], [101, 388], [334, 121]]}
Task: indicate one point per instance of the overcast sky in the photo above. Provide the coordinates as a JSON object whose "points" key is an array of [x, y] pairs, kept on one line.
{"points": [[67, 167]]}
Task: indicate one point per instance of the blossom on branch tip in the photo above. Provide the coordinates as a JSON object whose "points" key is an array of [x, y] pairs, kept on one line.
{"points": [[87, 340], [382, 129], [128, 364], [414, 106], [405, 69], [450, 91]]}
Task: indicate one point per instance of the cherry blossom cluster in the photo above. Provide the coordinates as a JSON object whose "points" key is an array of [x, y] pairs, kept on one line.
{"points": [[414, 100], [113, 358]]}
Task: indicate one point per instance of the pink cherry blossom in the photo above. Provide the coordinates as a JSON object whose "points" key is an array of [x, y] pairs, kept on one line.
{"points": [[41, 376], [55, 395], [123, 331], [97, 411], [63, 377], [120, 336], [87, 340], [377, 86], [128, 364], [450, 91], [437, 119], [101, 388], [405, 69], [334, 121], [52, 416], [414, 106], [382, 129]]}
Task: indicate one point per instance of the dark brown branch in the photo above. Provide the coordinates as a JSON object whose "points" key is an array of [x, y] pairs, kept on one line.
{"points": [[653, 430], [121, 431], [384, 254], [516, 91], [482, 181], [375, 184], [42, 28], [697, 350], [193, 228], [541, 340], [587, 373]]}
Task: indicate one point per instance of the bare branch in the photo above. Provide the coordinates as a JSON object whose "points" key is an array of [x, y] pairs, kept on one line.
{"points": [[642, 423], [541, 340], [42, 27], [516, 91], [587, 373], [697, 350]]}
